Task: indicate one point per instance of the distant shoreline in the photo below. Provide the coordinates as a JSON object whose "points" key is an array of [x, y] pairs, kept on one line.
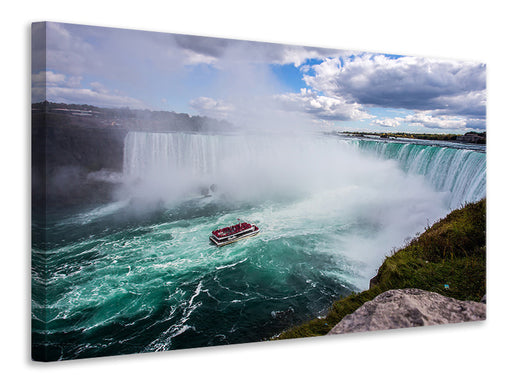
{"points": [[469, 137]]}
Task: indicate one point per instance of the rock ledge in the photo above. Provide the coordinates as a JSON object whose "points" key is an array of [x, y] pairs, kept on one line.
{"points": [[411, 307]]}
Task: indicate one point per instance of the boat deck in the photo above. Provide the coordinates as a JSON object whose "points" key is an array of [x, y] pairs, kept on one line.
{"points": [[233, 238]]}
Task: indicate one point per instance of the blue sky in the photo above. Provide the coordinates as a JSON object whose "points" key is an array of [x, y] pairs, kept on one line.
{"points": [[258, 84], [291, 76]]}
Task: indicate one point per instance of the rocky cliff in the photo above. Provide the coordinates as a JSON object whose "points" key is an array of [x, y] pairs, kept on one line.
{"points": [[69, 142]]}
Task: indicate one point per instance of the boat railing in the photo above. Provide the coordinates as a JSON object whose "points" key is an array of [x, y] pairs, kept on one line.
{"points": [[233, 230]]}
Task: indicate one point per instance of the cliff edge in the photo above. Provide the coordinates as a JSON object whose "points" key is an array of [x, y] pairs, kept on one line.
{"points": [[404, 308], [447, 260]]}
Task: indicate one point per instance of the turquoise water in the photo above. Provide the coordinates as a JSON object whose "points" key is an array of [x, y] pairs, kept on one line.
{"points": [[139, 274], [460, 171]]}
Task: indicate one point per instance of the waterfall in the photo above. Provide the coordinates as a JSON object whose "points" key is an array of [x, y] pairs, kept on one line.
{"points": [[145, 153], [251, 161], [461, 172], [177, 164]]}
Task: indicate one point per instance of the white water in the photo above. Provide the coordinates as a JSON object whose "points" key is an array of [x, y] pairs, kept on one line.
{"points": [[321, 183], [252, 166], [460, 172], [329, 212]]}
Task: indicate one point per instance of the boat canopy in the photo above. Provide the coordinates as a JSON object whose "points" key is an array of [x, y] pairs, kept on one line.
{"points": [[232, 230]]}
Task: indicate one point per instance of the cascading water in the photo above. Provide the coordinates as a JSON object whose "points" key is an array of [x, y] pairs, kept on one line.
{"points": [[460, 172], [129, 277]]}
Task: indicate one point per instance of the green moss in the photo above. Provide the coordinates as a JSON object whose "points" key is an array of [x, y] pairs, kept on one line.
{"points": [[448, 258]]}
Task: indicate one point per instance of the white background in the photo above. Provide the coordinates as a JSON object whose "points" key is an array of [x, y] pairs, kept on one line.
{"points": [[466, 30]]}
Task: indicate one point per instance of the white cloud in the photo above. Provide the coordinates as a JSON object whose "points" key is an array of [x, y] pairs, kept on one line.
{"points": [[51, 79], [426, 119], [57, 87], [68, 52], [341, 87], [96, 86], [207, 106], [429, 121], [193, 58], [407, 82], [90, 96], [322, 107], [390, 123], [326, 77], [48, 77], [297, 55]]}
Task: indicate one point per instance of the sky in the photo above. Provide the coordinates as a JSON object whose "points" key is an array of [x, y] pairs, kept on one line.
{"points": [[256, 84]]}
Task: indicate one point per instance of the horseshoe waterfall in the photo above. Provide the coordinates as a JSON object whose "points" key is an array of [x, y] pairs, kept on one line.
{"points": [[139, 274]]}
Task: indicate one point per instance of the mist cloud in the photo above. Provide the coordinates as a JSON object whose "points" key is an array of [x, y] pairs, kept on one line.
{"points": [[207, 106]]}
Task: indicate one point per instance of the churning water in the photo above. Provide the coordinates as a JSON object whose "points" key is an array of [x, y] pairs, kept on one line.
{"points": [[140, 275]]}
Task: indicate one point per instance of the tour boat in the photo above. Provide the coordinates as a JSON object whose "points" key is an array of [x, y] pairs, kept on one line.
{"points": [[233, 233]]}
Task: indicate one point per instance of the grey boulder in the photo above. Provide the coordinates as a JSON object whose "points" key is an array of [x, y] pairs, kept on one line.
{"points": [[404, 308]]}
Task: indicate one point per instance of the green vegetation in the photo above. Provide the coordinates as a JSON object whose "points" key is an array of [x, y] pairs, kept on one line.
{"points": [[406, 135], [475, 137], [448, 258], [422, 136]]}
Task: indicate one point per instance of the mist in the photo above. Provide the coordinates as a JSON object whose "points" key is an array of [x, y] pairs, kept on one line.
{"points": [[278, 170], [304, 185]]}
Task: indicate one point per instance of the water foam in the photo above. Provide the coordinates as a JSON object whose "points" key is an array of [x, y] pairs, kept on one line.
{"points": [[328, 212], [460, 172]]}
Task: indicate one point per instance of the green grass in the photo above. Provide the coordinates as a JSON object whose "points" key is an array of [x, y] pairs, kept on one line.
{"points": [[448, 258]]}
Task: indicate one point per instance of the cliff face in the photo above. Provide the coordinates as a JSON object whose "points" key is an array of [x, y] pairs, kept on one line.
{"points": [[63, 140], [71, 141], [65, 150]]}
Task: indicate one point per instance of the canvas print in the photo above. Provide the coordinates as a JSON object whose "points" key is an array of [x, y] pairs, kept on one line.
{"points": [[192, 191]]}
